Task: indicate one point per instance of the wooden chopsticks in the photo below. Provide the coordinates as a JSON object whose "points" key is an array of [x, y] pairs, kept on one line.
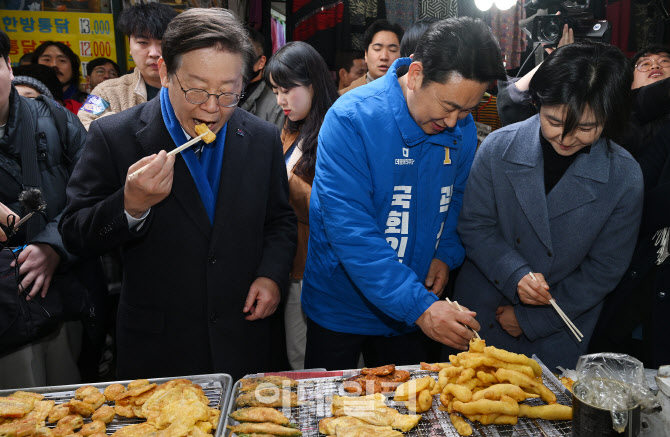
{"points": [[573, 328], [186, 145], [455, 303]]}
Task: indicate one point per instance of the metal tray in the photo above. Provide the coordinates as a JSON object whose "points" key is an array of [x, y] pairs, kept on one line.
{"points": [[217, 388], [317, 394]]}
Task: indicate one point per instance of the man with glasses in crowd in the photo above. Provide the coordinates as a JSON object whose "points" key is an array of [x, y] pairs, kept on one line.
{"points": [[208, 235], [100, 70]]}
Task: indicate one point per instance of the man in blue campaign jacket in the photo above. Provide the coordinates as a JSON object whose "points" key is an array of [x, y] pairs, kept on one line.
{"points": [[392, 163]]}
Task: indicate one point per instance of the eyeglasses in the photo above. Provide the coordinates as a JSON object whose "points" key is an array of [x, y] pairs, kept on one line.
{"points": [[645, 65], [198, 96]]}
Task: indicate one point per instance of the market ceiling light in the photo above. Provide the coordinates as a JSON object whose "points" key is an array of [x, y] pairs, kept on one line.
{"points": [[484, 5], [503, 5]]}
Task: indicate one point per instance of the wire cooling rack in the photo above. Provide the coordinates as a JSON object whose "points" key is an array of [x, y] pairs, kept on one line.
{"points": [[217, 388], [316, 396]]}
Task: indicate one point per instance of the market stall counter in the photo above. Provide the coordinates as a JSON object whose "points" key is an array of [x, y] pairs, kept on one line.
{"points": [[442, 399]]}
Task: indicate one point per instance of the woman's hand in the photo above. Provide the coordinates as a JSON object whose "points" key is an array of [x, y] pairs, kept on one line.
{"points": [[507, 319], [534, 291]]}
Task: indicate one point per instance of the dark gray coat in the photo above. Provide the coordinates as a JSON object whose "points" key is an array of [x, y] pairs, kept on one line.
{"points": [[581, 237], [184, 280]]}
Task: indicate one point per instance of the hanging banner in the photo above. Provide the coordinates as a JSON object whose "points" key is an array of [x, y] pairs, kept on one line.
{"points": [[89, 35]]}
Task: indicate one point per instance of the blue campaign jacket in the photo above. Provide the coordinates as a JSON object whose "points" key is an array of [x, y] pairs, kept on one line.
{"points": [[385, 202]]}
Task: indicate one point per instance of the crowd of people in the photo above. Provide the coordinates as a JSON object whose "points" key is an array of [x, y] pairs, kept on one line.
{"points": [[334, 211]]}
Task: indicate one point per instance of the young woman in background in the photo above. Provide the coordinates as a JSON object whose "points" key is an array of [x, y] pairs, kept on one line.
{"points": [[300, 79]]}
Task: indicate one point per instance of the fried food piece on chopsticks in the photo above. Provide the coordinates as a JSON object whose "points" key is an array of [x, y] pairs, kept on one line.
{"points": [[201, 129], [260, 414], [267, 398], [265, 428], [462, 427], [477, 345], [525, 381], [547, 412], [250, 384]]}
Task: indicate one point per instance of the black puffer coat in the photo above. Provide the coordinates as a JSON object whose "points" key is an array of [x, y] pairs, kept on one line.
{"points": [[56, 159]]}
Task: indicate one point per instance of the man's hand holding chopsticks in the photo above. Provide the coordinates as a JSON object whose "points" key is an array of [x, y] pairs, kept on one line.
{"points": [[534, 290], [444, 323], [149, 187]]}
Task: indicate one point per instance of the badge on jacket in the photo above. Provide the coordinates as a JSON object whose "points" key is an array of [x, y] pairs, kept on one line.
{"points": [[95, 105]]}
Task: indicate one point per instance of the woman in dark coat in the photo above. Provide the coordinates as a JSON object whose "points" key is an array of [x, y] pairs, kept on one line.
{"points": [[636, 316]]}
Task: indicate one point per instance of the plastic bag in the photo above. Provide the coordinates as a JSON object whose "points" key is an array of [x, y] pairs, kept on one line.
{"points": [[614, 382]]}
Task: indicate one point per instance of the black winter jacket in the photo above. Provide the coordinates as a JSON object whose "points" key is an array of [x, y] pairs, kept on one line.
{"points": [[55, 161]]}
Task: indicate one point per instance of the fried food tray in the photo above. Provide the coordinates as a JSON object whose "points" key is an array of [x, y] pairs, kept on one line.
{"points": [[217, 388], [317, 394]]}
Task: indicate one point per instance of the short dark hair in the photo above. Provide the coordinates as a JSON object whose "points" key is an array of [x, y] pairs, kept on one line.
{"points": [[259, 42], [28, 57], [345, 58], [44, 74], [101, 61], [413, 34], [586, 74], [67, 51], [4, 46], [200, 28], [462, 46], [654, 49], [148, 20], [298, 63], [380, 26]]}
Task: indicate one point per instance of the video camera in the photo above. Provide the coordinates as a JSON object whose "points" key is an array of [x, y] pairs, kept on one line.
{"points": [[548, 29]]}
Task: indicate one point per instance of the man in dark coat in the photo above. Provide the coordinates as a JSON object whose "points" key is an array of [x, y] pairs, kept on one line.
{"points": [[207, 235]]}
